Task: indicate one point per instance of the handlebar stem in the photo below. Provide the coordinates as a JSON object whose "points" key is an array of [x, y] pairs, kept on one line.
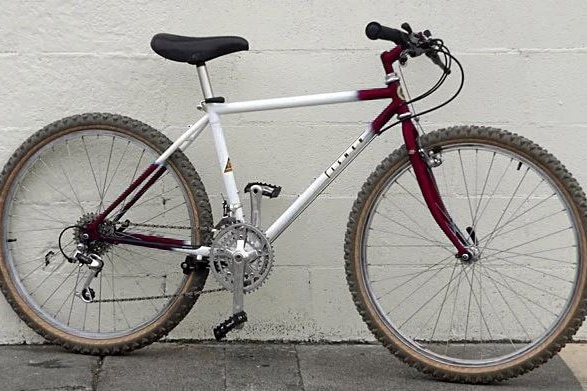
{"points": [[389, 57]]}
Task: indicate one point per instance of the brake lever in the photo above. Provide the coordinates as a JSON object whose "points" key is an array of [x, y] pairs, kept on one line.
{"points": [[406, 27], [433, 55]]}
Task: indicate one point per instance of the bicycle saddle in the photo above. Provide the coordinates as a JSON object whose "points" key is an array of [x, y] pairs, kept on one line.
{"points": [[196, 50]]}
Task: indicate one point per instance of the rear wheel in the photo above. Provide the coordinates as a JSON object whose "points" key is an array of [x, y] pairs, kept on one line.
{"points": [[62, 177], [485, 320]]}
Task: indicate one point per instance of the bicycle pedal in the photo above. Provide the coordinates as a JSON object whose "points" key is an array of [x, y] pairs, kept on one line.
{"points": [[271, 191], [229, 324]]}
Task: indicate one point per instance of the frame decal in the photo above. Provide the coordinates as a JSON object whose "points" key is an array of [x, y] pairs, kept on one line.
{"points": [[228, 167]]}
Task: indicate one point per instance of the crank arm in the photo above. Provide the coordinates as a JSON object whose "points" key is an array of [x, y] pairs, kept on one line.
{"points": [[256, 196], [238, 279]]}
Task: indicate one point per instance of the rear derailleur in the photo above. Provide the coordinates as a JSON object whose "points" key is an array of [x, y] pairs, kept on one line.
{"points": [[95, 263]]}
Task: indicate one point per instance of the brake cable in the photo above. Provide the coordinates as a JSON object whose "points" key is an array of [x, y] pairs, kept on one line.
{"points": [[449, 58]]}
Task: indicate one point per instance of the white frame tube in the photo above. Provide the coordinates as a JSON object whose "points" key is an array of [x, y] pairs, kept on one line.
{"points": [[309, 195], [286, 103], [225, 166], [187, 137]]}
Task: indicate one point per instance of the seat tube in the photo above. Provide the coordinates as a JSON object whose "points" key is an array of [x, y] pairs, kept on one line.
{"points": [[225, 166]]}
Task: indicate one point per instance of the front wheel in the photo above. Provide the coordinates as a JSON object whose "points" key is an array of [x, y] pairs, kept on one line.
{"points": [[486, 320]]}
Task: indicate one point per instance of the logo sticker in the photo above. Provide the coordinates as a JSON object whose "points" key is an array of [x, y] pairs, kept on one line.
{"points": [[228, 167]]}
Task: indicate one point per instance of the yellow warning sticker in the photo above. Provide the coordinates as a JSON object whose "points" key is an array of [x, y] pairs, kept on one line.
{"points": [[228, 167]]}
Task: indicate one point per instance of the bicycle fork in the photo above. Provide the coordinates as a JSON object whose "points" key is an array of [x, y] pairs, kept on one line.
{"points": [[422, 164]]}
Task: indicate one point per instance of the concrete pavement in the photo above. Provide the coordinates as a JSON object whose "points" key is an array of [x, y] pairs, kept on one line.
{"points": [[231, 366]]}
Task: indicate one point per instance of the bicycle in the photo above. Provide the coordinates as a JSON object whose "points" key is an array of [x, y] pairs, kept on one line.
{"points": [[464, 250]]}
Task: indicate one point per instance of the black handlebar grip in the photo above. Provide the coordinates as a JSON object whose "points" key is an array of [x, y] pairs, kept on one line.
{"points": [[376, 31]]}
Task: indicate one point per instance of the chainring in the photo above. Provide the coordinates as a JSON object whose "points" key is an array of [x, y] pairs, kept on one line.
{"points": [[256, 270]]}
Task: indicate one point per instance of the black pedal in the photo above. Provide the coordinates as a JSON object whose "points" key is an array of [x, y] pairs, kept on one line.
{"points": [[270, 191], [229, 324]]}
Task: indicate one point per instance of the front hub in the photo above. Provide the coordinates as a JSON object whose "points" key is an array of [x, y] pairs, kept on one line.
{"points": [[472, 255]]}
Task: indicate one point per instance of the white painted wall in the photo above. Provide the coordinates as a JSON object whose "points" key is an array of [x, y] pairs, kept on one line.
{"points": [[525, 64]]}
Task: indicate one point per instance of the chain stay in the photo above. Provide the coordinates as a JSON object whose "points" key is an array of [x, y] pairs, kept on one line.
{"points": [[188, 294]]}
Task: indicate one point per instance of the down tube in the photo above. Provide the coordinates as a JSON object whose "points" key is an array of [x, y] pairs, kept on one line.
{"points": [[321, 183]]}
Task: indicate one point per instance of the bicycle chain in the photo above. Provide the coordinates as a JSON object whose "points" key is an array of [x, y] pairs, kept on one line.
{"points": [[129, 224], [188, 294]]}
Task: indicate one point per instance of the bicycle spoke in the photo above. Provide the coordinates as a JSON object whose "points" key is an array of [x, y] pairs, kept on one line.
{"points": [[73, 296], [475, 220], [77, 201], [438, 243], [533, 240], [411, 219], [162, 213], [444, 300], [100, 206], [497, 251], [411, 279], [409, 229], [425, 303], [535, 270], [527, 224], [537, 318], [466, 187], [92, 169], [505, 210], [407, 275], [413, 292], [517, 217], [494, 191]]}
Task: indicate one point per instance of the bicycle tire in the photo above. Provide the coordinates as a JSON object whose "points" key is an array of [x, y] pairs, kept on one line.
{"points": [[438, 356], [48, 142]]}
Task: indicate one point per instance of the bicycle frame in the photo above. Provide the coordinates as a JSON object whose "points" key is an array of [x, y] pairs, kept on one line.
{"points": [[213, 111]]}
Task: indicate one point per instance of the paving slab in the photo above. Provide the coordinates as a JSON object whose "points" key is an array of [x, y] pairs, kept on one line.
{"points": [[359, 367], [575, 357], [165, 367], [262, 367], [40, 367], [370, 367], [265, 366]]}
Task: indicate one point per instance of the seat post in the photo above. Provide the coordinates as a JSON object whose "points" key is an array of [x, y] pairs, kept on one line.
{"points": [[205, 81]]}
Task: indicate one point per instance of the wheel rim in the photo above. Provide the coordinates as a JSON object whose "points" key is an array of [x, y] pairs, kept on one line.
{"points": [[512, 299], [46, 193]]}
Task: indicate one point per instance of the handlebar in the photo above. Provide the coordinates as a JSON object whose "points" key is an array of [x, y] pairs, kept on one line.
{"points": [[376, 31], [414, 43]]}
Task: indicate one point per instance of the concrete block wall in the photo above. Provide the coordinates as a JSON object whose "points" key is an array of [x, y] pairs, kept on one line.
{"points": [[525, 67]]}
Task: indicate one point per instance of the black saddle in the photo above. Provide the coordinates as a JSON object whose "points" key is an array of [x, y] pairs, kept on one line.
{"points": [[196, 50]]}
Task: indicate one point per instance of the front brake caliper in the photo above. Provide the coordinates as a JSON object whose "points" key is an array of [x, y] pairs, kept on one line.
{"points": [[432, 157]]}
